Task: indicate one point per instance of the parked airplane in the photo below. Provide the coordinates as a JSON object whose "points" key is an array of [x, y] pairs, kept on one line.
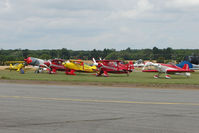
{"points": [[56, 65], [191, 66], [113, 66], [17, 67], [168, 69], [51, 65], [79, 66]]}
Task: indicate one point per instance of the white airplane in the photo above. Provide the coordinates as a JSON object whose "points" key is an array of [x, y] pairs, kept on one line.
{"points": [[168, 69]]}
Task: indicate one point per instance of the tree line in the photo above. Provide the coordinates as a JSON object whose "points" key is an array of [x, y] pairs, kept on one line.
{"points": [[110, 54]]}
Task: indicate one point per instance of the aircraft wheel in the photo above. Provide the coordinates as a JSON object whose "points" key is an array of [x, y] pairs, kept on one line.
{"points": [[156, 76], [97, 75], [167, 77], [105, 75]]}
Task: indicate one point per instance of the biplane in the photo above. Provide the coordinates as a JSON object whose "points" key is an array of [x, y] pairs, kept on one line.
{"points": [[79, 66], [56, 65], [16, 65], [168, 69], [113, 66]]}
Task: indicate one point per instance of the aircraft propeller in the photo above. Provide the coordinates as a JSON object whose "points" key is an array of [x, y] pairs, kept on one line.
{"points": [[95, 63]]}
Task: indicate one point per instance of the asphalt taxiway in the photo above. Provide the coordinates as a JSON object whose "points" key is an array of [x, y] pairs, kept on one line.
{"points": [[40, 108]]}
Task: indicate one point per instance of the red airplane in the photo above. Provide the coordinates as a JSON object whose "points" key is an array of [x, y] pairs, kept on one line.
{"points": [[113, 66], [52, 65], [56, 65], [168, 69]]}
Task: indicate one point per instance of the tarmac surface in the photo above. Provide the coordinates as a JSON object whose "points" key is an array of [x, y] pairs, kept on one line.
{"points": [[39, 108]]}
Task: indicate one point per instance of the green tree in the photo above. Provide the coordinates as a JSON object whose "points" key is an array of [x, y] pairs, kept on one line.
{"points": [[25, 53], [65, 53], [113, 56], [45, 56]]}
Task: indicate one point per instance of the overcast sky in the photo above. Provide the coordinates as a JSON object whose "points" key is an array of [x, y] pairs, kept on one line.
{"points": [[99, 24]]}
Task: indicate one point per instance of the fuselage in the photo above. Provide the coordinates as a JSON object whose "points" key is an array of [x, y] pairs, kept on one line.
{"points": [[80, 66]]}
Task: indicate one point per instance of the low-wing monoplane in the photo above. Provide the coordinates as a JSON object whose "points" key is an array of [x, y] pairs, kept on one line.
{"points": [[51, 65], [167, 69], [79, 66], [113, 66]]}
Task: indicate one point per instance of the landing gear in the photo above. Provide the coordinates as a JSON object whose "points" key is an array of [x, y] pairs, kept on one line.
{"points": [[167, 77], [70, 72], [128, 73], [158, 75], [52, 71], [101, 72], [105, 74]]}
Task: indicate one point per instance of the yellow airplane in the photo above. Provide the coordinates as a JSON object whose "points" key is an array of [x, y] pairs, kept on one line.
{"points": [[79, 66], [16, 67]]}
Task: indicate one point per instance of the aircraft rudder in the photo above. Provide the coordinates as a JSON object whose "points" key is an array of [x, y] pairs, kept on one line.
{"points": [[186, 67]]}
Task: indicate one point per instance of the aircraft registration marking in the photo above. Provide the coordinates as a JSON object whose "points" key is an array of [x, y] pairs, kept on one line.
{"points": [[99, 101]]}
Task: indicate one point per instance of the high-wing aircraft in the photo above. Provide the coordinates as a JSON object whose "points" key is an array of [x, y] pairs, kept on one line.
{"points": [[52, 65], [167, 69], [113, 66], [79, 66]]}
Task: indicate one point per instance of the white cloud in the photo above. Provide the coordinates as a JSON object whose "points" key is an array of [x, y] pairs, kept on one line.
{"points": [[183, 4], [136, 10], [88, 24], [4, 6]]}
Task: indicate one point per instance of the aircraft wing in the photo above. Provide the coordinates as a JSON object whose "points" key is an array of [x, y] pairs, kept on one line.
{"points": [[179, 71], [13, 62], [76, 60], [149, 70], [108, 61]]}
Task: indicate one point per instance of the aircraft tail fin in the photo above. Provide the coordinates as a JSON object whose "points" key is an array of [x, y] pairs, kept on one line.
{"points": [[131, 64], [186, 67], [11, 65]]}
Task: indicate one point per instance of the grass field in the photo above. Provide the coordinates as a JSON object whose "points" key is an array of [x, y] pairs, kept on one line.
{"points": [[134, 78]]}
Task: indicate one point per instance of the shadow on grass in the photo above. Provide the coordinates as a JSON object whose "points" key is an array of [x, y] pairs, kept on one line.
{"points": [[4, 77]]}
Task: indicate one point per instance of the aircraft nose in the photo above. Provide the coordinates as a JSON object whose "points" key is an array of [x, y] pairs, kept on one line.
{"points": [[28, 60]]}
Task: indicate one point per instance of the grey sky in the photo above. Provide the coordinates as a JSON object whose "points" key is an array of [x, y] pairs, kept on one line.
{"points": [[99, 24]]}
